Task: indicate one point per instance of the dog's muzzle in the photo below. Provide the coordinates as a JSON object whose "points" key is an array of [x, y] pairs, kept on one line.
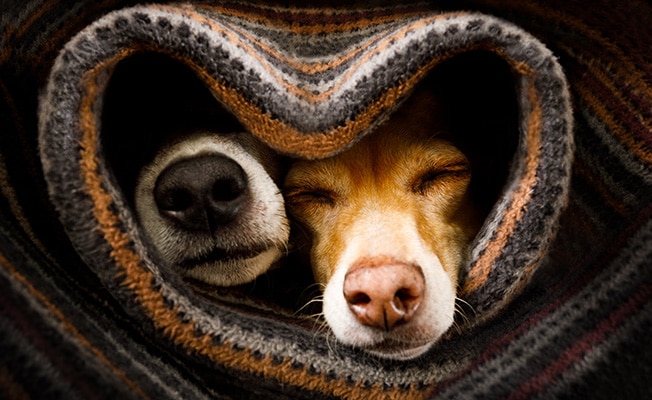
{"points": [[211, 210]]}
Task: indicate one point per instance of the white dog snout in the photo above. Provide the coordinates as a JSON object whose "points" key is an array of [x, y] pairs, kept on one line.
{"points": [[383, 293], [202, 193], [210, 208]]}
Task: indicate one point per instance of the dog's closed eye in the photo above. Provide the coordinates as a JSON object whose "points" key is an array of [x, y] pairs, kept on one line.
{"points": [[314, 196], [430, 177]]}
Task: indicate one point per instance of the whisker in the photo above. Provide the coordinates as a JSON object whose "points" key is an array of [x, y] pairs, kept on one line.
{"points": [[461, 308], [315, 286], [459, 311], [464, 302], [286, 249], [457, 327], [329, 343]]}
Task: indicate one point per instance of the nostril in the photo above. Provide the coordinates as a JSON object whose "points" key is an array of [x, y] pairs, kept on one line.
{"points": [[407, 296], [404, 295], [358, 299], [228, 189], [406, 302]]}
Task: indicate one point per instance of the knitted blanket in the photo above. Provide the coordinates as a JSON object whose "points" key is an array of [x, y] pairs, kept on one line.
{"points": [[556, 293]]}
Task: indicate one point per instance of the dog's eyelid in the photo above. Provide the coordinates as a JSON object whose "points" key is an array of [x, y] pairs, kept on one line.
{"points": [[430, 175], [313, 195], [456, 166]]}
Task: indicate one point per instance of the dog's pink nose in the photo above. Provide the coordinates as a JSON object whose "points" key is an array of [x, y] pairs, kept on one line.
{"points": [[383, 293]]}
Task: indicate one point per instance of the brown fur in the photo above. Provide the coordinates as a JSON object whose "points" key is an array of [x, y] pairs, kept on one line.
{"points": [[407, 173]]}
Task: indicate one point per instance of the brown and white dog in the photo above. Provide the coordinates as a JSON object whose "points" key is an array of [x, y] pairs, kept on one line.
{"points": [[390, 222], [210, 206]]}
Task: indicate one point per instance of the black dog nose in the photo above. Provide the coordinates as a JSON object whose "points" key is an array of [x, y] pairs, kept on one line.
{"points": [[201, 193]]}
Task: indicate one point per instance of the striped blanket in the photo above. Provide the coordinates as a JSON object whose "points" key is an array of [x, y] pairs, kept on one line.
{"points": [[557, 291]]}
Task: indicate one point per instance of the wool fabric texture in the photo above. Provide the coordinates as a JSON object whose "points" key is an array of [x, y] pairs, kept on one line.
{"points": [[557, 285]]}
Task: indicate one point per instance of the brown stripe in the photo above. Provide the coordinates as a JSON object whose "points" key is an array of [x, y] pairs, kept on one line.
{"points": [[479, 273], [379, 47], [306, 66], [582, 347], [139, 282], [12, 34], [602, 190], [305, 94], [235, 39], [318, 67], [287, 139], [8, 189], [312, 145], [598, 108], [620, 90], [624, 65], [69, 326], [55, 40], [9, 387], [51, 44], [45, 8], [311, 25]]}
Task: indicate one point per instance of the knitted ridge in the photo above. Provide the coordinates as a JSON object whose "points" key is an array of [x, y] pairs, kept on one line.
{"points": [[558, 284]]}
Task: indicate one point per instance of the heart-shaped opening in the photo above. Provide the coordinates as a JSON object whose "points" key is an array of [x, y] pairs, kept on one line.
{"points": [[152, 100]]}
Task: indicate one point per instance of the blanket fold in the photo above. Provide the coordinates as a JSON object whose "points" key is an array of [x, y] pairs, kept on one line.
{"points": [[549, 310]]}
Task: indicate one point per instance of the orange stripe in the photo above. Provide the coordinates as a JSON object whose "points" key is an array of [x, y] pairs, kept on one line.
{"points": [[69, 326], [318, 67], [379, 47], [310, 145], [139, 282], [233, 38], [315, 28], [309, 68], [289, 140], [478, 275]]}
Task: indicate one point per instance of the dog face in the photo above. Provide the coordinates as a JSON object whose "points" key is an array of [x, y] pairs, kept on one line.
{"points": [[390, 222], [209, 205]]}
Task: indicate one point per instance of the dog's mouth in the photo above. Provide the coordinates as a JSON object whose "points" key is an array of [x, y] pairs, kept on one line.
{"points": [[219, 255]]}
